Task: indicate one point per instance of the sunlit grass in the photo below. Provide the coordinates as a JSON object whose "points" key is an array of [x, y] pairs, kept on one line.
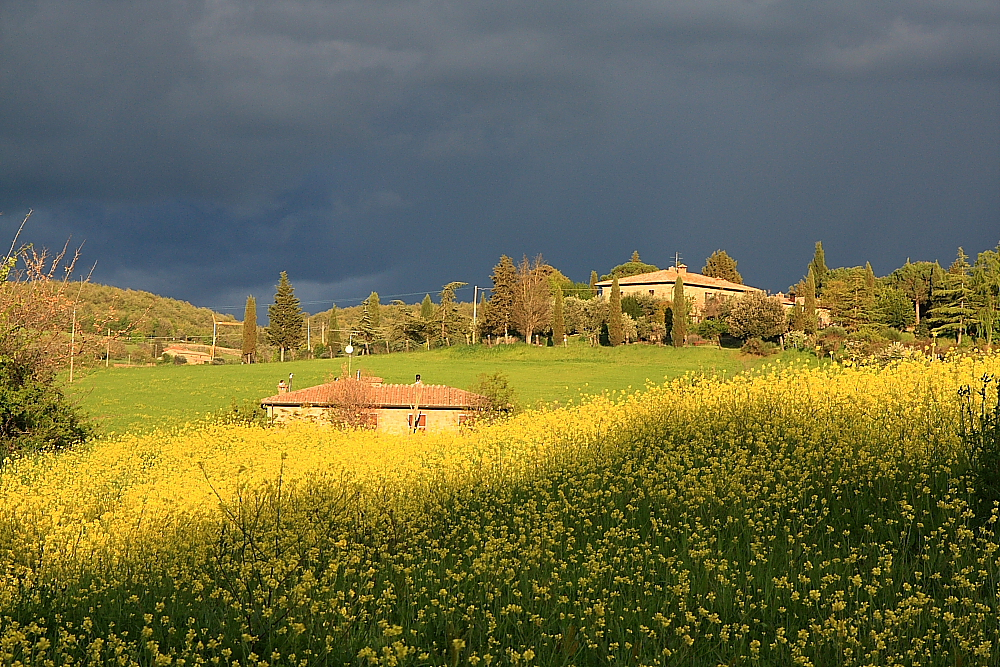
{"points": [[142, 398]]}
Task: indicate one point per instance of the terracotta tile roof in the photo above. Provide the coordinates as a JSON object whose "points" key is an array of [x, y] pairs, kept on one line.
{"points": [[670, 276], [382, 396]]}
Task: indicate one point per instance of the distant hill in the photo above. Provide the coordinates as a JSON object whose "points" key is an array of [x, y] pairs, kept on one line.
{"points": [[142, 313]]}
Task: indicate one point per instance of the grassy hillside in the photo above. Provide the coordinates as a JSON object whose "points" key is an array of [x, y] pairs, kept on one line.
{"points": [[138, 312], [123, 398]]}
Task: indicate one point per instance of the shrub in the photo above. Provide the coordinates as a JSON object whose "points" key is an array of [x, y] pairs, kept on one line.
{"points": [[759, 348], [756, 315], [500, 398]]}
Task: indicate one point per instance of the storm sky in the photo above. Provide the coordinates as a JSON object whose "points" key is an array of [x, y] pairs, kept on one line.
{"points": [[201, 147]]}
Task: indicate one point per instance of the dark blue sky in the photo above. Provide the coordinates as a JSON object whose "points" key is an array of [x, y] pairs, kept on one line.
{"points": [[199, 148]]}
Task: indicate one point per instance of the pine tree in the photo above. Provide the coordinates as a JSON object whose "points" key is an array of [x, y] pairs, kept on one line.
{"points": [[616, 328], [811, 316], [285, 318], [954, 298], [678, 331], [558, 323], [915, 281], [985, 284], [448, 311], [427, 308], [366, 330], [721, 265], [336, 340], [250, 331], [593, 284], [818, 266], [635, 257], [505, 281]]}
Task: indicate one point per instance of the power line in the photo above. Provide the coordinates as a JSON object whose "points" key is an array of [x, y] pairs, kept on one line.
{"points": [[220, 309]]}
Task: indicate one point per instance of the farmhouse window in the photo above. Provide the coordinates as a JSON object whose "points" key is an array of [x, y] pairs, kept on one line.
{"points": [[369, 420], [421, 421]]}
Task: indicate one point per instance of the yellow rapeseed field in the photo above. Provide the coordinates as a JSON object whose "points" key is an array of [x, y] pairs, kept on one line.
{"points": [[795, 516]]}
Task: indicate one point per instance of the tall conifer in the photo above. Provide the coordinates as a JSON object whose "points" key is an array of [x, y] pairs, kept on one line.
{"points": [[285, 318], [678, 329], [502, 296], [818, 265], [721, 265], [427, 308], [593, 283], [375, 309], [616, 328], [811, 323], [250, 331], [336, 339], [558, 323]]}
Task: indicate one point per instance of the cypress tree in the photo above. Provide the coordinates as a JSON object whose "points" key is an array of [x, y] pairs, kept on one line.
{"points": [[678, 330], [250, 331], [375, 309], [558, 323], [811, 323], [427, 308], [818, 265], [616, 328], [593, 283], [285, 318], [335, 340]]}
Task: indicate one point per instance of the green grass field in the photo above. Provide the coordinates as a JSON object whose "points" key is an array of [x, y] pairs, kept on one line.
{"points": [[123, 399]]}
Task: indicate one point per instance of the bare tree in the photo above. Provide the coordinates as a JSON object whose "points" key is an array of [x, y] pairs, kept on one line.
{"points": [[352, 403], [532, 298]]}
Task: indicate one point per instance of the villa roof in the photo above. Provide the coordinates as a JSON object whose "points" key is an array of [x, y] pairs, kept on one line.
{"points": [[428, 396], [670, 276]]}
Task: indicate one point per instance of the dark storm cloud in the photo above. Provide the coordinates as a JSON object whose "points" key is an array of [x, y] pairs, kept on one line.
{"points": [[201, 147]]}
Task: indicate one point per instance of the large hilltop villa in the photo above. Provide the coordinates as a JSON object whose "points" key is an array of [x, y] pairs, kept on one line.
{"points": [[660, 284], [697, 287]]}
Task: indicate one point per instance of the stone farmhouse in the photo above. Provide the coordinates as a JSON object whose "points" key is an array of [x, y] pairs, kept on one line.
{"points": [[660, 284], [389, 408]]}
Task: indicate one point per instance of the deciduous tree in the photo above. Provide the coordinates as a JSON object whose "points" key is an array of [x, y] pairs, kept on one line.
{"points": [[532, 308]]}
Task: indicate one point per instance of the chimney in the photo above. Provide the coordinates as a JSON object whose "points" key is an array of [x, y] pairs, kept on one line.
{"points": [[682, 269]]}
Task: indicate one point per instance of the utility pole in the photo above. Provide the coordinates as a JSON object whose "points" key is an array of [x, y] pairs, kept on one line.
{"points": [[215, 332], [475, 304], [107, 354], [72, 346], [309, 345]]}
